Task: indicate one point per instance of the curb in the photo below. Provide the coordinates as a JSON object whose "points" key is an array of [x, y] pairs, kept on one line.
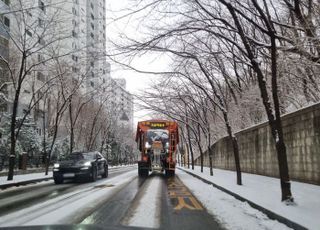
{"points": [[16, 184], [272, 215]]}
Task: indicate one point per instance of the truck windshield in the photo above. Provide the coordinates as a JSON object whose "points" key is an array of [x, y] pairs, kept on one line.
{"points": [[158, 135]]}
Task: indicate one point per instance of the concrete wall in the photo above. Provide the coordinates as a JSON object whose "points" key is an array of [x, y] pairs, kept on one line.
{"points": [[257, 149]]}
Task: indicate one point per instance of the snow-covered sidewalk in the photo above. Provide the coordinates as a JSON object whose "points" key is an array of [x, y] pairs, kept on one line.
{"points": [[265, 191], [24, 178]]}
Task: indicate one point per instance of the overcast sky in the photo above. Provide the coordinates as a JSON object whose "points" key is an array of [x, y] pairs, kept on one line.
{"points": [[135, 81]]}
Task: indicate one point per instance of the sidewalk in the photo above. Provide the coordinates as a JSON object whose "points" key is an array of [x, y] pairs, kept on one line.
{"points": [[23, 179], [265, 192]]}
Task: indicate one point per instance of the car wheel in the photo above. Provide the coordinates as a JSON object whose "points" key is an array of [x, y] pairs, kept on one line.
{"points": [[58, 180], [94, 174], [105, 173]]}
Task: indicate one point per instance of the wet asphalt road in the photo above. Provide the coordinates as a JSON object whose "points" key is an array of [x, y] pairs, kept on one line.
{"points": [[16, 198], [178, 208]]}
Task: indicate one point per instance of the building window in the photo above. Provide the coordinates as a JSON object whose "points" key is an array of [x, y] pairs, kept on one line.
{"points": [[28, 32], [40, 76], [41, 6], [7, 2], [74, 34], [92, 17], [92, 26], [40, 23], [91, 4], [6, 21], [91, 83], [91, 35], [41, 41], [40, 58], [74, 11], [75, 58], [75, 70]]}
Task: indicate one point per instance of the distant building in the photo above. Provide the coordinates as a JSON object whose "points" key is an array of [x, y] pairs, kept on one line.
{"points": [[122, 101]]}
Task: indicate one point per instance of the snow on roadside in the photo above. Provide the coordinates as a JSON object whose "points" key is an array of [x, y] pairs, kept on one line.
{"points": [[24, 177], [147, 214], [63, 209], [232, 213], [265, 191]]}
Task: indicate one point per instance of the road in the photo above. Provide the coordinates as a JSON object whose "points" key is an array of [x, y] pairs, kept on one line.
{"points": [[121, 201]]}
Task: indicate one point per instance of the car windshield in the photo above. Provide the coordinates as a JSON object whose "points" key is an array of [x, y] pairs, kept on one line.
{"points": [[79, 156]]}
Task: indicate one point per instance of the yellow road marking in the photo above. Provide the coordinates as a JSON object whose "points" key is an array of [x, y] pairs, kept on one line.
{"points": [[178, 191], [182, 204]]}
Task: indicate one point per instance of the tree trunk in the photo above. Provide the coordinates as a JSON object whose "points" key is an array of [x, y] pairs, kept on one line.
{"points": [[210, 154], [190, 147], [278, 132], [12, 157], [235, 147], [71, 126], [200, 148]]}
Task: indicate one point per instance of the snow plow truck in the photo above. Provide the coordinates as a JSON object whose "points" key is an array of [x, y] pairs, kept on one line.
{"points": [[157, 142]]}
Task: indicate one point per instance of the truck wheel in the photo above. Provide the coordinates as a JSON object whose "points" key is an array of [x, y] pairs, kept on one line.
{"points": [[170, 173], [58, 180], [139, 172], [143, 172]]}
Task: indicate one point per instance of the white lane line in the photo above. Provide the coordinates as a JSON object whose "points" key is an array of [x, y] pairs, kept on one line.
{"points": [[147, 213]]}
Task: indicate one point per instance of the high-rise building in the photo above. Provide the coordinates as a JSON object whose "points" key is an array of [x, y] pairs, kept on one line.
{"points": [[4, 28], [4, 52], [122, 102]]}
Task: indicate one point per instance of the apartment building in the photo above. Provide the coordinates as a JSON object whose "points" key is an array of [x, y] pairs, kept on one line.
{"points": [[122, 102], [4, 51]]}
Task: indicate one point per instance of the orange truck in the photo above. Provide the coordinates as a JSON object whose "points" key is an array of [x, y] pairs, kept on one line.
{"points": [[157, 142]]}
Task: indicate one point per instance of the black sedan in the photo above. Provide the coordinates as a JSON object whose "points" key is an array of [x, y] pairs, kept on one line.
{"points": [[80, 165]]}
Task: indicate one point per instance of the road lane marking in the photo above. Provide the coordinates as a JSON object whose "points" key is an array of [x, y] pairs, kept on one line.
{"points": [[179, 193]]}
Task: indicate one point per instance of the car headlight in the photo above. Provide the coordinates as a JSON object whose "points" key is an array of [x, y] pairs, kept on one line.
{"points": [[56, 165], [87, 163], [166, 145]]}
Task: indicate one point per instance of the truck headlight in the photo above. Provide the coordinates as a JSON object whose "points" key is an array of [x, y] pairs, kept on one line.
{"points": [[56, 165], [147, 145], [87, 164]]}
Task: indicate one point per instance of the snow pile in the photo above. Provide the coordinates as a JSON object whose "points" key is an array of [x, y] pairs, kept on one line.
{"points": [[231, 213], [265, 191], [24, 177]]}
